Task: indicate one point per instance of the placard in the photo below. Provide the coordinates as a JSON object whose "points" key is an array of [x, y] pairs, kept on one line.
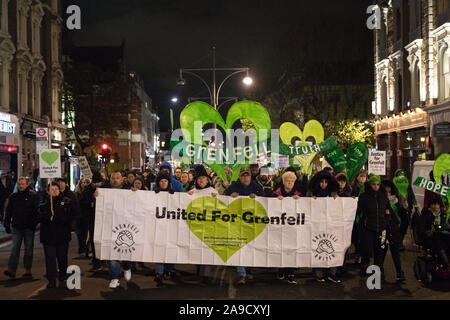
{"points": [[377, 162]]}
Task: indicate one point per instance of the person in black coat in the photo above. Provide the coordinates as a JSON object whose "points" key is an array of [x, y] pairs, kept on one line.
{"points": [[21, 219], [245, 186], [56, 227], [344, 191], [373, 206]]}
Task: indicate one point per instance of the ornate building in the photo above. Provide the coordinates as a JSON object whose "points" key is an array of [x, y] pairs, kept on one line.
{"points": [[412, 81], [30, 79]]}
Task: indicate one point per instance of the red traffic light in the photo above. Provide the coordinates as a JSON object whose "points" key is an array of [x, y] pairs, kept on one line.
{"points": [[105, 146]]}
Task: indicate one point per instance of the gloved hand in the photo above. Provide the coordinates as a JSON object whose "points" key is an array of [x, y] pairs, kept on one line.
{"points": [[8, 230]]}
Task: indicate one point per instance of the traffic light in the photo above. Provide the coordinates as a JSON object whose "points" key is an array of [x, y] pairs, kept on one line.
{"points": [[106, 152]]}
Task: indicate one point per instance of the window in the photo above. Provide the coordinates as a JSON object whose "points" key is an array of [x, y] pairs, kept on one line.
{"points": [[445, 75]]}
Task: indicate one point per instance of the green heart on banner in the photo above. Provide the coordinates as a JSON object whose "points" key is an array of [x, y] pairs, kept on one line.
{"points": [[350, 164], [313, 129], [49, 157], [402, 185], [441, 165], [203, 112], [213, 233]]}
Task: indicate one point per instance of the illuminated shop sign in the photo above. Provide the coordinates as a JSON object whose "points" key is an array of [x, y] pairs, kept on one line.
{"points": [[6, 125]]}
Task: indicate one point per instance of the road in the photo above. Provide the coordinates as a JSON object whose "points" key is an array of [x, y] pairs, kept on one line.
{"points": [[265, 286]]}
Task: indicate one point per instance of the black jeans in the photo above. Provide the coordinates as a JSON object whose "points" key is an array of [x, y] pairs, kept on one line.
{"points": [[53, 254], [82, 233], [373, 244], [91, 225]]}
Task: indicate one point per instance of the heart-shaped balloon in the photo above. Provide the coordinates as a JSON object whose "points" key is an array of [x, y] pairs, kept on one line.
{"points": [[228, 224], [313, 129], [203, 112], [350, 164], [402, 185], [441, 165], [49, 157]]}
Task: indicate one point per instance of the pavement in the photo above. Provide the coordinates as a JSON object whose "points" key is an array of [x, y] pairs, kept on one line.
{"points": [[264, 286]]}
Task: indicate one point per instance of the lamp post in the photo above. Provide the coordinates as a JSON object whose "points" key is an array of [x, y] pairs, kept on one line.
{"points": [[214, 90]]}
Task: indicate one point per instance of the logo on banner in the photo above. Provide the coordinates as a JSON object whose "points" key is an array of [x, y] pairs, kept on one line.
{"points": [[124, 242], [325, 250]]}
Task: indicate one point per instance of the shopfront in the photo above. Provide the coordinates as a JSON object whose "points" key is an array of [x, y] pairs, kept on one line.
{"points": [[9, 143], [405, 137], [439, 117]]}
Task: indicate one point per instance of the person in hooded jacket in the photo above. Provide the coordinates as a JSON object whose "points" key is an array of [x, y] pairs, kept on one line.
{"points": [[358, 189], [163, 184], [373, 205], [322, 185], [56, 224], [265, 180], [176, 185]]}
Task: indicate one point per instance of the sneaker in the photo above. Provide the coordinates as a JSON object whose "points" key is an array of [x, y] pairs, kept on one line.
{"points": [[10, 274], [291, 279], [281, 276], [334, 279], [114, 283], [242, 281], [401, 277], [127, 275], [159, 279], [27, 275], [321, 279]]}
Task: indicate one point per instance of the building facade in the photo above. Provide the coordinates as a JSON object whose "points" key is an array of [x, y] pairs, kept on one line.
{"points": [[412, 81], [30, 80]]}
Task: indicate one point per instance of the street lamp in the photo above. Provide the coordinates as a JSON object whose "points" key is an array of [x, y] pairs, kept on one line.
{"points": [[214, 90], [174, 100]]}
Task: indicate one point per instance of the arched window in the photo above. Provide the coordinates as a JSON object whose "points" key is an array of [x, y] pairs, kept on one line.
{"points": [[444, 82]]}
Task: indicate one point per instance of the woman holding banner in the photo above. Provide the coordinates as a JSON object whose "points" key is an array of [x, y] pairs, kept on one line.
{"points": [[287, 190]]}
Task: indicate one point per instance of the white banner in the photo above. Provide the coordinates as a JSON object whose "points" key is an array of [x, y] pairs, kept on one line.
{"points": [[182, 229]]}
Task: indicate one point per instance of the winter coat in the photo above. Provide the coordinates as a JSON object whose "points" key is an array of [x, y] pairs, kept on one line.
{"points": [[175, 183], [314, 185], [242, 190], [345, 193], [372, 208], [87, 202], [23, 210], [76, 211], [281, 192], [58, 230]]}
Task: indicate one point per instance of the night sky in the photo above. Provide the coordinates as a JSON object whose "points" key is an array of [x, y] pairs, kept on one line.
{"points": [[164, 35]]}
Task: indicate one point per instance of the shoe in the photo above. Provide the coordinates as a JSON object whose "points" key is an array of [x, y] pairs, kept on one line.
{"points": [[169, 276], [10, 274], [334, 279], [321, 279], [96, 267], [127, 275], [159, 279], [358, 260], [291, 279], [401, 277], [27, 275], [51, 284], [281, 276], [114, 283], [250, 276], [62, 284], [242, 281]]}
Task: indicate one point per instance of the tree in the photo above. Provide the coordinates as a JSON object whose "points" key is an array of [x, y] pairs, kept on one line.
{"points": [[95, 105], [348, 132]]}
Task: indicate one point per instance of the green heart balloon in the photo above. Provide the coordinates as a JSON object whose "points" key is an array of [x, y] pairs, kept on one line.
{"points": [[441, 165], [356, 157], [49, 157], [350, 164], [203, 112], [402, 185], [226, 225], [313, 129]]}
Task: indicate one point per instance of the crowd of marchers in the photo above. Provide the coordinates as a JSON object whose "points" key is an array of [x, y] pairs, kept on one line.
{"points": [[382, 219]]}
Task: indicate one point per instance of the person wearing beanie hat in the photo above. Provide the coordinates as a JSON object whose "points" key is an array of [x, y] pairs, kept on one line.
{"points": [[164, 183], [373, 206], [202, 183], [344, 189]]}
